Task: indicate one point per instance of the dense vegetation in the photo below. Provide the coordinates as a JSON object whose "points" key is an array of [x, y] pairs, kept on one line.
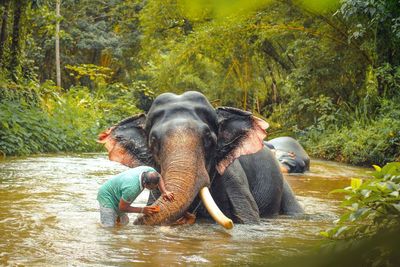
{"points": [[368, 232], [325, 72]]}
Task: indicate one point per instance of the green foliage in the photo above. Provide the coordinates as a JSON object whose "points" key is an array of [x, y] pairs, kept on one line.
{"points": [[97, 74], [314, 113], [370, 225], [38, 119], [358, 143], [27, 128], [329, 77], [390, 79], [373, 204]]}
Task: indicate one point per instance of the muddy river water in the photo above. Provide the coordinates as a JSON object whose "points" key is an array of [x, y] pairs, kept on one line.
{"points": [[49, 217]]}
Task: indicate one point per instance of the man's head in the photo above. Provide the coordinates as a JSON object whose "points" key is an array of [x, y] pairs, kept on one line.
{"points": [[150, 180]]}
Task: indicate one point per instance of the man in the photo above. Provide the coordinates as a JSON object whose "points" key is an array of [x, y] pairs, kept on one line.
{"points": [[288, 161], [117, 194]]}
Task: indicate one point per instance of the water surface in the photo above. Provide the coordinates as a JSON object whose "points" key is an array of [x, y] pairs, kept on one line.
{"points": [[49, 216]]}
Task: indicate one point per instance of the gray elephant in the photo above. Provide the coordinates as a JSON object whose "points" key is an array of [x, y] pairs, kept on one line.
{"points": [[290, 154], [216, 153]]}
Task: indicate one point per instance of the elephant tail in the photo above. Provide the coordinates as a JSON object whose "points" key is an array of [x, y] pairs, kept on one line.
{"points": [[289, 204]]}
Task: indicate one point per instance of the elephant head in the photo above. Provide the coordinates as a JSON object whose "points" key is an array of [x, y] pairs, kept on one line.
{"points": [[187, 140]]}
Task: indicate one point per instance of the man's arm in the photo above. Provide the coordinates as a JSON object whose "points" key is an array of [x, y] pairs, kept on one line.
{"points": [[126, 207], [164, 193]]}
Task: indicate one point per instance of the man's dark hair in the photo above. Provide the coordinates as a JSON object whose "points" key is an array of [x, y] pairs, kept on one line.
{"points": [[150, 178]]}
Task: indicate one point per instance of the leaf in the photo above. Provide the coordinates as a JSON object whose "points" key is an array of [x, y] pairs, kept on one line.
{"points": [[339, 191], [373, 198], [355, 183], [377, 168], [355, 206], [357, 215], [5, 124], [394, 194], [396, 206], [324, 234], [365, 193], [341, 230]]}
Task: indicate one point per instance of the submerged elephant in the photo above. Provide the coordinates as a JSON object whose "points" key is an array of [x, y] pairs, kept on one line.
{"points": [[290, 154], [195, 146]]}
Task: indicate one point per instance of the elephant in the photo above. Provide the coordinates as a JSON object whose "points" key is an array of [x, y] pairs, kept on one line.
{"points": [[217, 153], [290, 154]]}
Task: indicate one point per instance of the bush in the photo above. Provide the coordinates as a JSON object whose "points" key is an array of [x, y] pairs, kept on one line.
{"points": [[38, 119], [367, 234], [25, 130], [362, 142], [372, 204]]}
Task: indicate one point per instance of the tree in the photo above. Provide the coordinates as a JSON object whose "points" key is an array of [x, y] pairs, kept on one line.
{"points": [[19, 7], [376, 26], [58, 68], [3, 33]]}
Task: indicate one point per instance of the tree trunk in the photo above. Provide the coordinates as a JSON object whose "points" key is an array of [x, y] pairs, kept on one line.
{"points": [[3, 34], [15, 44], [58, 68], [274, 90]]}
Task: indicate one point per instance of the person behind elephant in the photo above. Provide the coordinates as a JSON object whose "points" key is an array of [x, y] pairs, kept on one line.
{"points": [[289, 161], [117, 194]]}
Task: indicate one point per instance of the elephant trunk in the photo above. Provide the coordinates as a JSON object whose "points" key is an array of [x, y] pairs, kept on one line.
{"points": [[183, 170]]}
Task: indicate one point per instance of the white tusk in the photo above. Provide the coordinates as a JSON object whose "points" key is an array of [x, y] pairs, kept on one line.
{"points": [[213, 209]]}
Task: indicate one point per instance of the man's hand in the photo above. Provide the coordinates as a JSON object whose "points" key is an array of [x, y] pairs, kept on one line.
{"points": [[150, 210], [168, 196], [187, 218]]}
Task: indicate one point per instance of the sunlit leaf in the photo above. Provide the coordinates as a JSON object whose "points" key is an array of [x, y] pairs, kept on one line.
{"points": [[324, 234], [377, 168], [339, 191], [355, 183]]}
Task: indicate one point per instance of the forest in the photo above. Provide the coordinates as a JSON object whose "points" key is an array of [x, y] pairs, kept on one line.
{"points": [[326, 73]]}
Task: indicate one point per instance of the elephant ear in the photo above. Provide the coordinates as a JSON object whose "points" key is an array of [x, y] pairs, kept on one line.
{"points": [[126, 142], [239, 133]]}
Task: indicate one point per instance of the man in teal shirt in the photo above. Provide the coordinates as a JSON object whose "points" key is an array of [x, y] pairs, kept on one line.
{"points": [[117, 194]]}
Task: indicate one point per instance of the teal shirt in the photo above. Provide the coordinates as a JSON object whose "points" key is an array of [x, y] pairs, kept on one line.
{"points": [[126, 185]]}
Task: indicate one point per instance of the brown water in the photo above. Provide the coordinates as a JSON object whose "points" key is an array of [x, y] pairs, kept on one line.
{"points": [[49, 216]]}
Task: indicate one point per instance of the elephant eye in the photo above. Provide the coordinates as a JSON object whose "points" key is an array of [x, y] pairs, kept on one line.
{"points": [[153, 142], [210, 139]]}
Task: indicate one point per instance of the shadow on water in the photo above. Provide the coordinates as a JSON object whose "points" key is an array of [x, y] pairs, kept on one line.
{"points": [[49, 216]]}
